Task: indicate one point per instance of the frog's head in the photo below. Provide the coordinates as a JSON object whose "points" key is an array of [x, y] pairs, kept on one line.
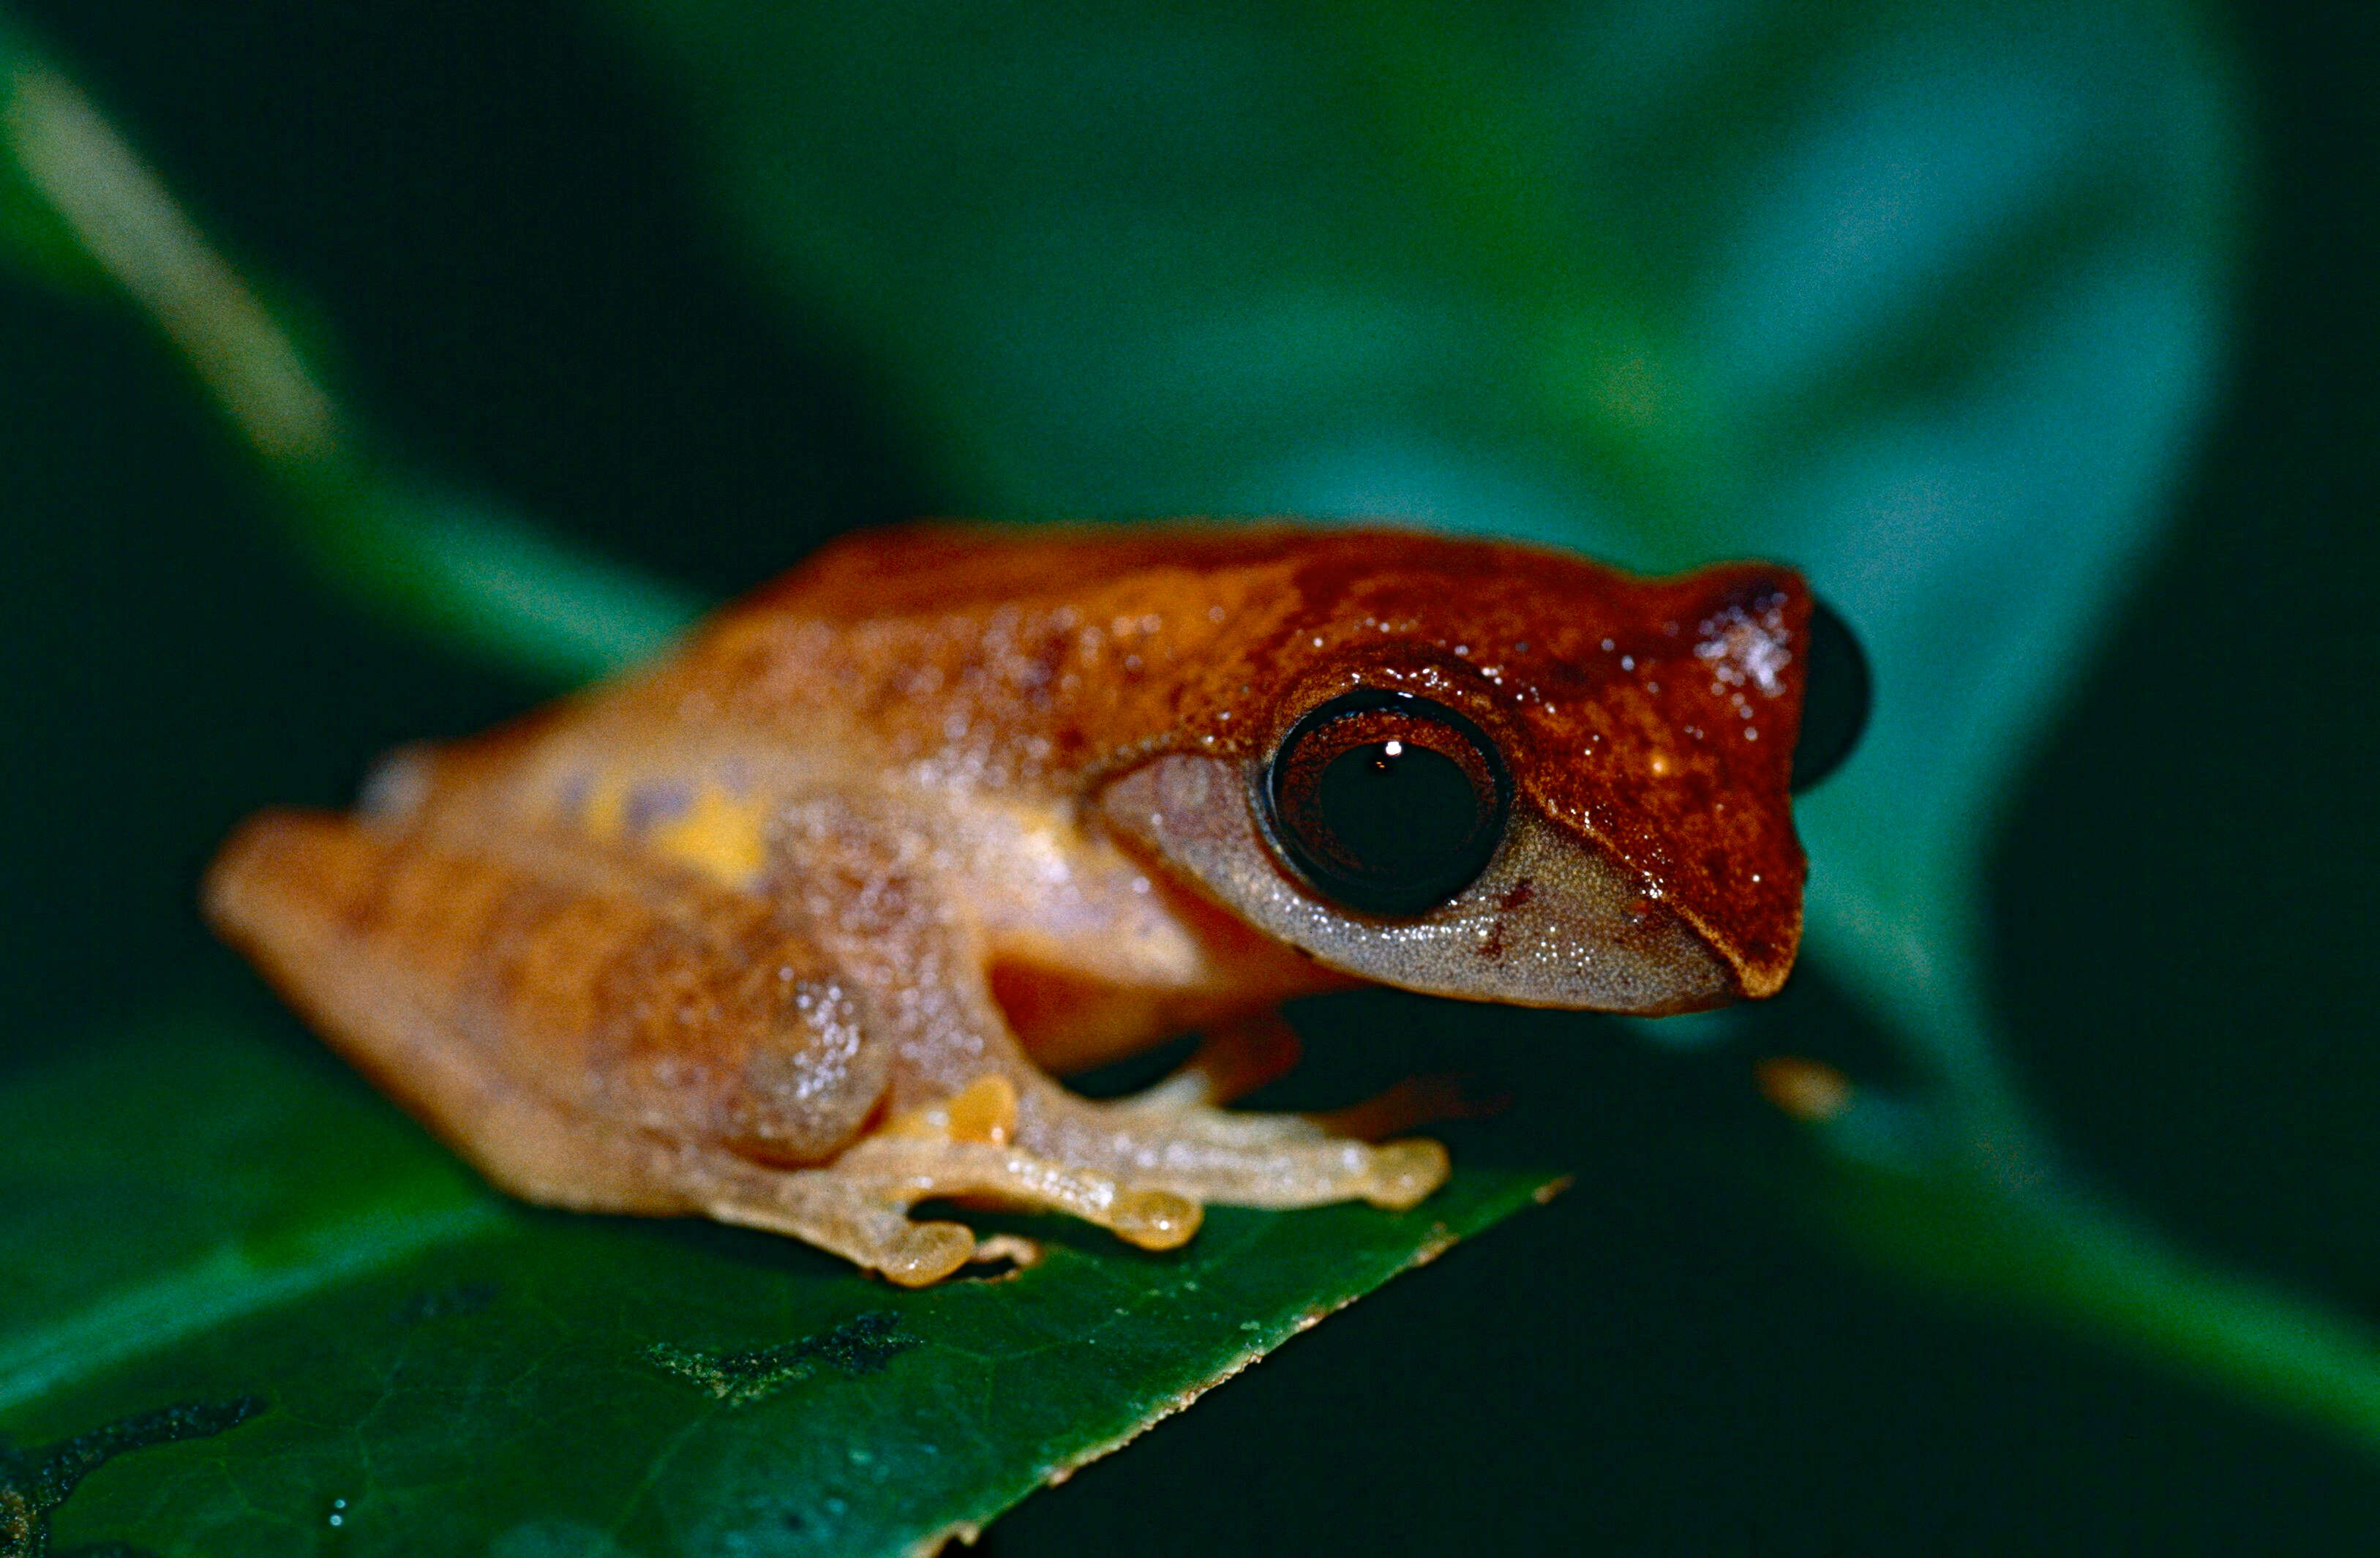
{"points": [[1494, 773]]}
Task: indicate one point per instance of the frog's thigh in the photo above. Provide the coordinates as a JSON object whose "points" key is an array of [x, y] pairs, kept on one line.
{"points": [[584, 1040]]}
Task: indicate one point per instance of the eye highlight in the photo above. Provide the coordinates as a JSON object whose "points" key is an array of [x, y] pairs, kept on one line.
{"points": [[1387, 802]]}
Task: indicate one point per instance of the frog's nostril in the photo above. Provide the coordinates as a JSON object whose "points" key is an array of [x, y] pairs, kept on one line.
{"points": [[1835, 699]]}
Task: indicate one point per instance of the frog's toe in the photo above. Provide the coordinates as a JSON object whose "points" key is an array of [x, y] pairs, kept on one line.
{"points": [[925, 1253], [1156, 1219], [1405, 1173], [1014, 1248]]}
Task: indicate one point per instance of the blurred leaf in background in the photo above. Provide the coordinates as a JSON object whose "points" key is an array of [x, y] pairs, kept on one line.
{"points": [[1928, 298]]}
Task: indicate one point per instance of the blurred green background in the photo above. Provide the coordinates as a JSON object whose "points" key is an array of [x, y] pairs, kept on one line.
{"points": [[1978, 301]]}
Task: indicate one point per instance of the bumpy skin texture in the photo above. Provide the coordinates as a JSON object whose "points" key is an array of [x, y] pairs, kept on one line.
{"points": [[786, 929]]}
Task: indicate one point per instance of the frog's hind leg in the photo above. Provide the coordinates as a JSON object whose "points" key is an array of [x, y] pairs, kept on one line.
{"points": [[588, 1038], [858, 881]]}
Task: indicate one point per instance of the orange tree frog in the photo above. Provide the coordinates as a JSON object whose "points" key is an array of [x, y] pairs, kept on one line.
{"points": [[793, 927]]}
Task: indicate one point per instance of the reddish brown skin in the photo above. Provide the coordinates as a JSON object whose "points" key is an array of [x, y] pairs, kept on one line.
{"points": [[1008, 637]]}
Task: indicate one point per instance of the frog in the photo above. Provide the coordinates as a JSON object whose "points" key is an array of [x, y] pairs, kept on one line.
{"points": [[809, 921]]}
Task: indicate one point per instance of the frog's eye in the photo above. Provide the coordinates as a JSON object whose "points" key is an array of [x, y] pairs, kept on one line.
{"points": [[1389, 803], [1834, 699]]}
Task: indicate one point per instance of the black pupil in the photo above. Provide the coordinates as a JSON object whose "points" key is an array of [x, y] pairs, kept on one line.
{"points": [[1399, 811], [1387, 802]]}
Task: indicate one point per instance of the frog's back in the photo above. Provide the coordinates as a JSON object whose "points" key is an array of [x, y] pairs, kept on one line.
{"points": [[1653, 717], [932, 568]]}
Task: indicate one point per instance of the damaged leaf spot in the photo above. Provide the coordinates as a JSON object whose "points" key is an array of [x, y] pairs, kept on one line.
{"points": [[34, 1483], [862, 1344]]}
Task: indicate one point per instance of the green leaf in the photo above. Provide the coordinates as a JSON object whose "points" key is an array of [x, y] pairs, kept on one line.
{"points": [[202, 1214]]}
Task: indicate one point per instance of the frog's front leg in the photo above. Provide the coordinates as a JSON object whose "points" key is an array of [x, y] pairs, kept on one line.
{"points": [[1176, 1132], [1211, 1154], [870, 891]]}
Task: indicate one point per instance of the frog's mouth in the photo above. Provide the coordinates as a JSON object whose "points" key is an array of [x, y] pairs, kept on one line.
{"points": [[1551, 920]]}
